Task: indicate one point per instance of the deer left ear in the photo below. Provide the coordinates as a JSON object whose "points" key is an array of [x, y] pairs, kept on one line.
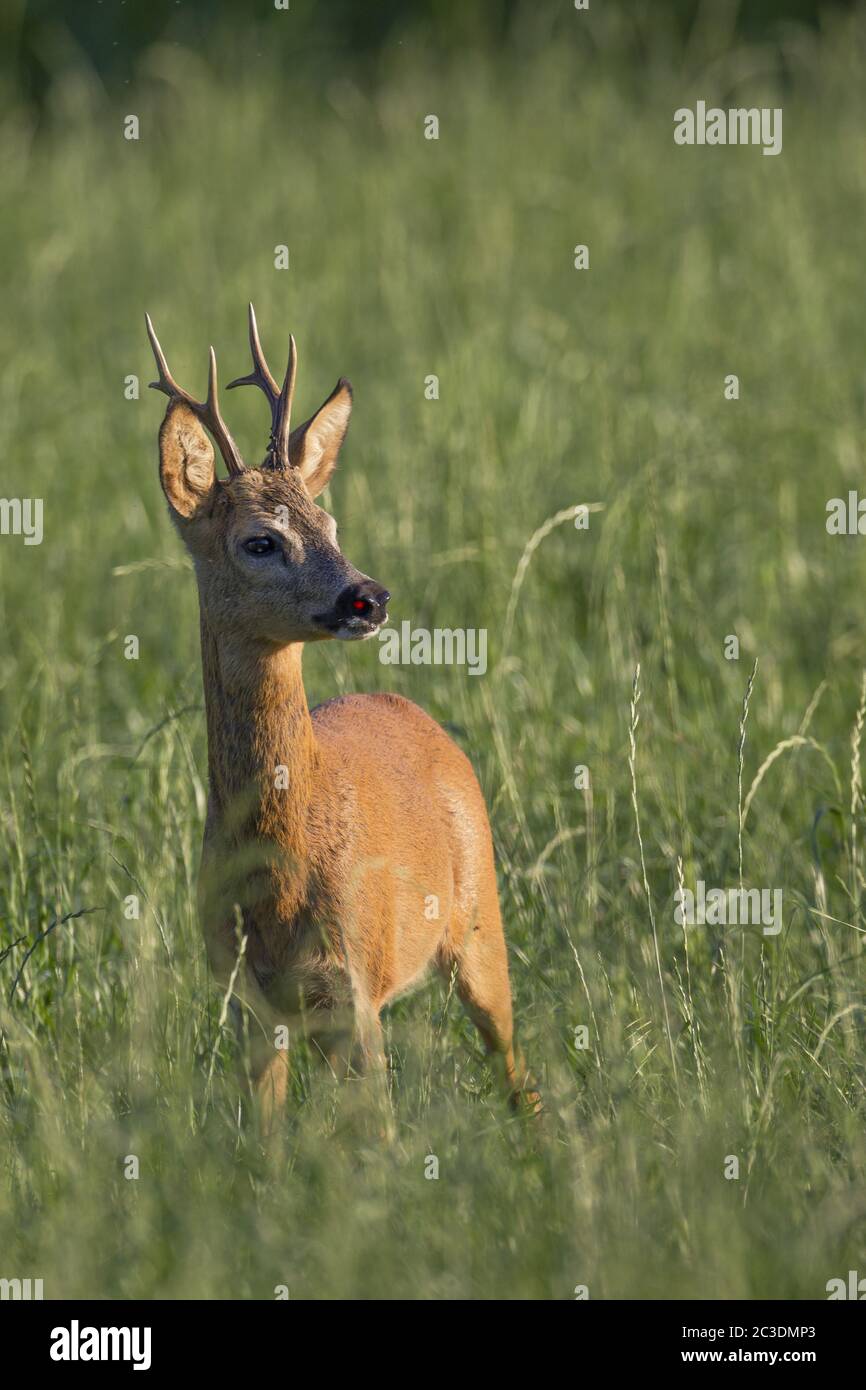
{"points": [[186, 461], [314, 446]]}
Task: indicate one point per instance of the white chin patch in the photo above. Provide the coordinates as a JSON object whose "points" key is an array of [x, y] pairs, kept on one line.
{"points": [[355, 630]]}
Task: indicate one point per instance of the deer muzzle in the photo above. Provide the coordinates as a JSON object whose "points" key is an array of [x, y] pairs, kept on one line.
{"points": [[359, 611]]}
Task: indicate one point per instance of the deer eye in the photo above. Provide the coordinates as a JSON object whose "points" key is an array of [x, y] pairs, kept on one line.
{"points": [[259, 545]]}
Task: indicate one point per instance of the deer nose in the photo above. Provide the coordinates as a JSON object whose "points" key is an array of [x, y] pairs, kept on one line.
{"points": [[365, 600]]}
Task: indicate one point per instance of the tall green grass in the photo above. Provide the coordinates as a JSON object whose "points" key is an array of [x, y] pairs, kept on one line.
{"points": [[557, 387]]}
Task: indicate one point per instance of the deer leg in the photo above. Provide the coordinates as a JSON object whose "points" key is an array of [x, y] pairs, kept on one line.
{"points": [[369, 1050], [369, 1053], [268, 1056], [331, 1032], [270, 1084], [485, 992]]}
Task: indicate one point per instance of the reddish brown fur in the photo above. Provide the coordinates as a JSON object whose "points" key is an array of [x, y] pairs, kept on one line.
{"points": [[381, 810]]}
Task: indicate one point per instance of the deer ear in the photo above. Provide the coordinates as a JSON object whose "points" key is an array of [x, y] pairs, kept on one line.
{"points": [[186, 461], [314, 446]]}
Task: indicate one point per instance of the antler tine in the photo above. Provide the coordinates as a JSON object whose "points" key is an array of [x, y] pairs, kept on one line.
{"points": [[166, 381], [280, 400], [286, 397], [217, 425], [207, 411], [260, 375]]}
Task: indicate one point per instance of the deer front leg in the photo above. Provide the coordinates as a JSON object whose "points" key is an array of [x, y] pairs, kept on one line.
{"points": [[267, 1058], [373, 1064], [270, 1075], [269, 1064], [368, 1039]]}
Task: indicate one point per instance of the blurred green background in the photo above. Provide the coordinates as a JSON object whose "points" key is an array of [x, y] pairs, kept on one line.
{"points": [[411, 257], [112, 35]]}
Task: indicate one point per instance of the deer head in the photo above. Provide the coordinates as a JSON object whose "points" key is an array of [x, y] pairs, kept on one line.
{"points": [[266, 557]]}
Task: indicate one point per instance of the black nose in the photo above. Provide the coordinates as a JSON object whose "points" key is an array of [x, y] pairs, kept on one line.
{"points": [[365, 600]]}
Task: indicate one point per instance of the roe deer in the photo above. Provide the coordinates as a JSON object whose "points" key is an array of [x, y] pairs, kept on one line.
{"points": [[331, 829]]}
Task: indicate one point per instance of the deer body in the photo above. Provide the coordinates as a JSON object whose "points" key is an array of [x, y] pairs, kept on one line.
{"points": [[353, 838]]}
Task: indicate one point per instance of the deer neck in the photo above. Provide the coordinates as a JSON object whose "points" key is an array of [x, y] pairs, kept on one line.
{"points": [[262, 752]]}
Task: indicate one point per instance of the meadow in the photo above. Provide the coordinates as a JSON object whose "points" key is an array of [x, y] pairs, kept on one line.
{"points": [[454, 257]]}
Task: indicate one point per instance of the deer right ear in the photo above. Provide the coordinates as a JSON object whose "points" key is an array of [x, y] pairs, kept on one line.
{"points": [[314, 445], [186, 461]]}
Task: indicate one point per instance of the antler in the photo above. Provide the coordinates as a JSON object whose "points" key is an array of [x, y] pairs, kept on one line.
{"points": [[280, 400], [208, 411]]}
